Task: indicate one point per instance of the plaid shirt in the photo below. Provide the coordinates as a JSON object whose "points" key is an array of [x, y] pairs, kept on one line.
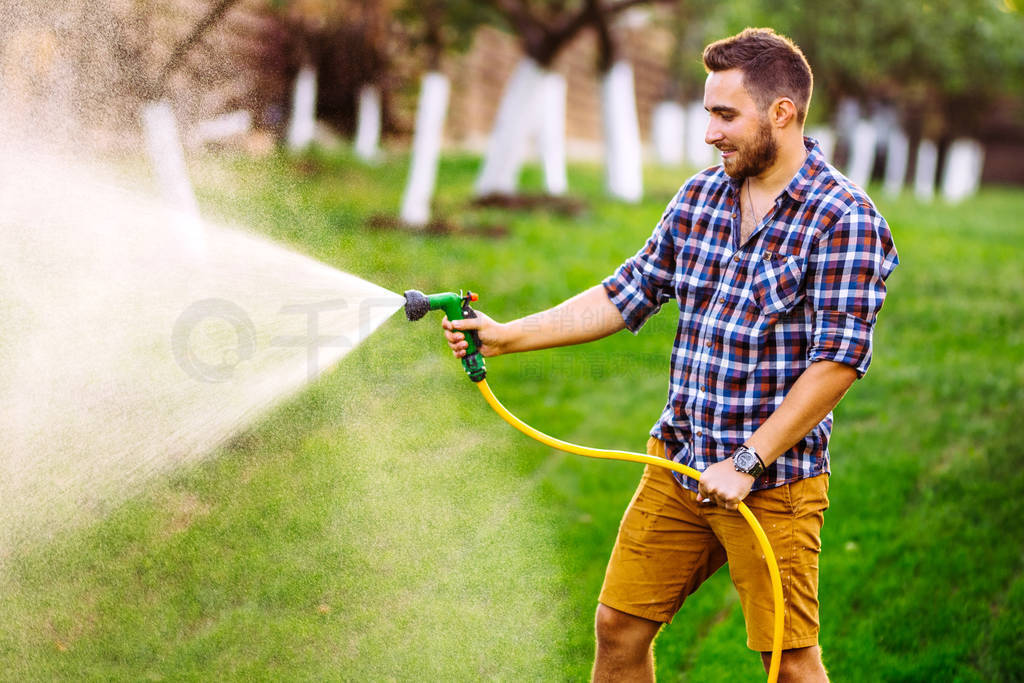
{"points": [[806, 286]]}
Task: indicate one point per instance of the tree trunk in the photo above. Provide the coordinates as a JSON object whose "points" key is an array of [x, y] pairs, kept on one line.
{"points": [[623, 152], [962, 174], [551, 134], [924, 173], [698, 152], [167, 158], [426, 149], [862, 152], [896, 156], [668, 131], [303, 120], [511, 130], [369, 123]]}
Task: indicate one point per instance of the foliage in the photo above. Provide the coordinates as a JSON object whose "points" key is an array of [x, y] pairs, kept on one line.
{"points": [[442, 25], [945, 63]]}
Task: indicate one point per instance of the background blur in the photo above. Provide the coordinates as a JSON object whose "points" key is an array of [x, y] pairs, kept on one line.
{"points": [[939, 70], [382, 523]]}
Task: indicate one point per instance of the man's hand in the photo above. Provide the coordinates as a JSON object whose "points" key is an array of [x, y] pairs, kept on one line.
{"points": [[489, 331], [723, 485]]}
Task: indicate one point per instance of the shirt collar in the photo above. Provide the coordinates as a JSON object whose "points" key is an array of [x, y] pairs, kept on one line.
{"points": [[800, 185]]}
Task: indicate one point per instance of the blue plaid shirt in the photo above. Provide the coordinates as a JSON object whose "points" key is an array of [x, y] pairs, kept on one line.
{"points": [[806, 286]]}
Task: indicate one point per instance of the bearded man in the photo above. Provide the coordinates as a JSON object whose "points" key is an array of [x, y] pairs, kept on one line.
{"points": [[778, 265]]}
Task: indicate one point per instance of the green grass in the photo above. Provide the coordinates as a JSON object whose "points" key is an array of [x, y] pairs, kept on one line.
{"points": [[385, 525]]}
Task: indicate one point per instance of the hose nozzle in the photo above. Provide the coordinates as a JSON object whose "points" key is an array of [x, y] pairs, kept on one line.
{"points": [[417, 304], [456, 307]]}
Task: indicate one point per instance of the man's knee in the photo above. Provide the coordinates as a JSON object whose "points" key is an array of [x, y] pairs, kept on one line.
{"points": [[620, 631]]}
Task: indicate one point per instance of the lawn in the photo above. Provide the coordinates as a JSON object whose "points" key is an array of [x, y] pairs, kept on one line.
{"points": [[385, 525]]}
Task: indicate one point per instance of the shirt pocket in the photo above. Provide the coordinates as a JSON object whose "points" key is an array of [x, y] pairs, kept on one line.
{"points": [[778, 283]]}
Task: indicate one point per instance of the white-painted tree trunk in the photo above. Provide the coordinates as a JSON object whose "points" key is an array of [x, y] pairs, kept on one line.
{"points": [[302, 124], [426, 148], [167, 158], [897, 154], [624, 173], [369, 123], [862, 153], [668, 132], [511, 130], [961, 176], [826, 141], [924, 173], [551, 132], [698, 152]]}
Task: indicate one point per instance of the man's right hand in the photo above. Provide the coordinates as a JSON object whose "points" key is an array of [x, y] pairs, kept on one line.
{"points": [[489, 331]]}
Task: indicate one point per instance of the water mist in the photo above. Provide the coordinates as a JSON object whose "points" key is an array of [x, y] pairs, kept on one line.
{"points": [[125, 352]]}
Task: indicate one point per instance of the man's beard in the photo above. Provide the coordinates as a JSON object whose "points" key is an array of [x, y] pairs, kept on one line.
{"points": [[757, 157]]}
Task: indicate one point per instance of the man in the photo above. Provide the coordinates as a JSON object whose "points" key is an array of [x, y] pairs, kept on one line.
{"points": [[778, 265]]}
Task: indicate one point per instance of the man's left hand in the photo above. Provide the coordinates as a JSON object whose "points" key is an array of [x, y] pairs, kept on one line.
{"points": [[723, 485]]}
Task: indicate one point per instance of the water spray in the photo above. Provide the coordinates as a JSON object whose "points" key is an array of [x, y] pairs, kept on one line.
{"points": [[457, 307]]}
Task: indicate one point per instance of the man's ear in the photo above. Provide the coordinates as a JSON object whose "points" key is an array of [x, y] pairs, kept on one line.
{"points": [[782, 111]]}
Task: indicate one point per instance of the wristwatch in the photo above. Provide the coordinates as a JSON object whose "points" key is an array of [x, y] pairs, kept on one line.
{"points": [[746, 460]]}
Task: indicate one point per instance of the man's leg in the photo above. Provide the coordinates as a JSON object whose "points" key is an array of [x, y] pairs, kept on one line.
{"points": [[792, 517], [800, 664], [665, 549], [623, 646]]}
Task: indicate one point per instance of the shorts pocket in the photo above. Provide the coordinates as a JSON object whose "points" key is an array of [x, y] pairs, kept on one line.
{"points": [[810, 495]]}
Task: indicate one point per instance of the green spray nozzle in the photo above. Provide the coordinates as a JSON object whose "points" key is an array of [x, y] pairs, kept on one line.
{"points": [[456, 307]]}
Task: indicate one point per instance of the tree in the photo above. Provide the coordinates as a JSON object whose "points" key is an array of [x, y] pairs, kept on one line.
{"points": [[534, 99], [623, 154], [159, 124], [438, 26], [341, 51]]}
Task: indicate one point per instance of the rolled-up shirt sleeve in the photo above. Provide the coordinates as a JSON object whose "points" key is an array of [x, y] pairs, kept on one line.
{"points": [[846, 286], [644, 282]]}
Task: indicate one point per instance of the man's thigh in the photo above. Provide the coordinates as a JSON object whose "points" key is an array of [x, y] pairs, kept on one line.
{"points": [[791, 517], [664, 551]]}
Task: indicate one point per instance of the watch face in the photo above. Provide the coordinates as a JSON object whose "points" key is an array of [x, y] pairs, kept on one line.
{"points": [[744, 460]]}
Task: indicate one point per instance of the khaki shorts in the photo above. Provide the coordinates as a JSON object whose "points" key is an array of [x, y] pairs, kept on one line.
{"points": [[668, 544]]}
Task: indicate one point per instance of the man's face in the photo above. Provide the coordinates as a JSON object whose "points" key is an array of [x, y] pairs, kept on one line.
{"points": [[737, 129]]}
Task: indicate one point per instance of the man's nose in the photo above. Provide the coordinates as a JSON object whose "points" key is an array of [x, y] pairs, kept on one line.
{"points": [[712, 134]]}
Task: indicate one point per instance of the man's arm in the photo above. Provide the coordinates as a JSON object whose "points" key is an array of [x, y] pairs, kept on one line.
{"points": [[817, 391], [587, 316]]}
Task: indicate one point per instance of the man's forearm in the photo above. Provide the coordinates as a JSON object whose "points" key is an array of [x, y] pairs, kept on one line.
{"points": [[813, 395], [587, 316]]}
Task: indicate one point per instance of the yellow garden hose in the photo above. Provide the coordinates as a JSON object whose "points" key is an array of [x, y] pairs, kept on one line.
{"points": [[762, 539]]}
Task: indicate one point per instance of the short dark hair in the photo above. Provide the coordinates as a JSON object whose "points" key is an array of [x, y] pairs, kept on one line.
{"points": [[772, 65]]}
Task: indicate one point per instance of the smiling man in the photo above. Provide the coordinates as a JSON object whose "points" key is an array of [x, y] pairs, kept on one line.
{"points": [[778, 265]]}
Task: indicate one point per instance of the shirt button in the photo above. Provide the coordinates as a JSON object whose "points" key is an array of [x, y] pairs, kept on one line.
{"points": [[721, 299], [707, 344], [734, 214], [736, 258], [698, 433]]}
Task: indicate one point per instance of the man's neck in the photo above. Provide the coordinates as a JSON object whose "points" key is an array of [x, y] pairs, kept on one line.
{"points": [[774, 180]]}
